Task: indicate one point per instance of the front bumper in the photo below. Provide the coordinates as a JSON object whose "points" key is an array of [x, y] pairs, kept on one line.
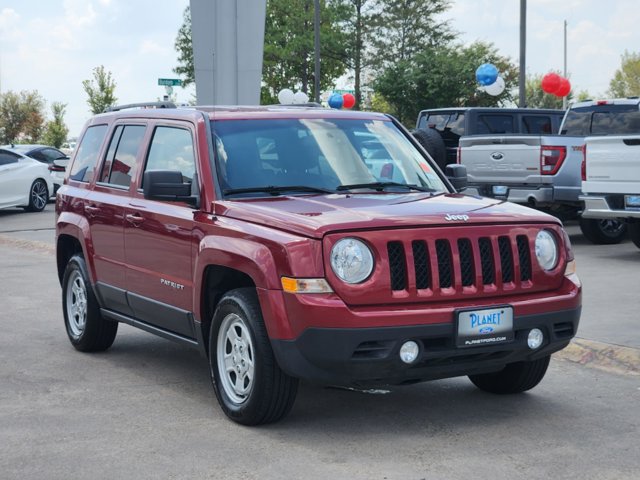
{"points": [[606, 206], [370, 356]]}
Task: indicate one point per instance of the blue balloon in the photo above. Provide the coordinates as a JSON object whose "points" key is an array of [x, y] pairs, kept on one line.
{"points": [[335, 100], [486, 74]]}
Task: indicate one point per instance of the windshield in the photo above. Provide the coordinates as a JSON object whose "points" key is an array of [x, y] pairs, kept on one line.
{"points": [[319, 153]]}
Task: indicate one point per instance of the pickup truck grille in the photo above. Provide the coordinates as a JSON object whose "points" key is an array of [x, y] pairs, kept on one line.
{"points": [[511, 252]]}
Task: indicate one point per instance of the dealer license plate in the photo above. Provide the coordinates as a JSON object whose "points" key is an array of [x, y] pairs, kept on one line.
{"points": [[487, 326], [499, 190], [632, 202]]}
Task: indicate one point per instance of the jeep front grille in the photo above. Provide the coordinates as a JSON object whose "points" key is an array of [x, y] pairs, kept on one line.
{"points": [[442, 274]]}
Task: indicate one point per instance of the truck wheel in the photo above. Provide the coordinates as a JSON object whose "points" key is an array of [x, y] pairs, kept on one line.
{"points": [[432, 142], [249, 385], [514, 378], [603, 231], [86, 329], [634, 233]]}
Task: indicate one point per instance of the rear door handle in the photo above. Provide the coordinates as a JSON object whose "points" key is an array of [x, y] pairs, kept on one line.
{"points": [[134, 218]]}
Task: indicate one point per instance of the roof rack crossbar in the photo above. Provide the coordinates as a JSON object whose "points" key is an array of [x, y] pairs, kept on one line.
{"points": [[116, 108]]}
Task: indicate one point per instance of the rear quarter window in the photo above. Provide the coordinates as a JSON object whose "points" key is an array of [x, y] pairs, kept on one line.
{"points": [[84, 163], [494, 124], [538, 124]]}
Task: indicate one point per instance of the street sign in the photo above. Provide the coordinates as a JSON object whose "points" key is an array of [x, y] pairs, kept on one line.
{"points": [[344, 90], [170, 82]]}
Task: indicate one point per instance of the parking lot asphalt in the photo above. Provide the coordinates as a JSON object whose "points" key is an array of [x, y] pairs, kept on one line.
{"points": [[145, 408]]}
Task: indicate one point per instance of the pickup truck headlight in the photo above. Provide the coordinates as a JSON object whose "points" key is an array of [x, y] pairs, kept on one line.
{"points": [[351, 260], [546, 250]]}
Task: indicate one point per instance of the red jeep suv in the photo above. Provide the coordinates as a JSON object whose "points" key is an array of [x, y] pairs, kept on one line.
{"points": [[291, 243]]}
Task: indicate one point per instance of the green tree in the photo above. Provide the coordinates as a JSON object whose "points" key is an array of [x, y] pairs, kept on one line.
{"points": [[404, 28], [536, 98], [359, 25], [289, 46], [56, 130], [100, 90], [443, 76], [21, 116], [184, 47], [626, 80]]}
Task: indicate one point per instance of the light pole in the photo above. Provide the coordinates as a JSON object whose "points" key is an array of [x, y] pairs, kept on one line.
{"points": [[564, 99], [522, 102], [316, 30]]}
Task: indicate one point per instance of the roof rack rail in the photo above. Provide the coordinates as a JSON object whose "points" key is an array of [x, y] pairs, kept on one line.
{"points": [[141, 105]]}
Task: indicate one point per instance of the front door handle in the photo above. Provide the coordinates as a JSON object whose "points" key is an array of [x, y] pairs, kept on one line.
{"points": [[135, 219], [91, 210]]}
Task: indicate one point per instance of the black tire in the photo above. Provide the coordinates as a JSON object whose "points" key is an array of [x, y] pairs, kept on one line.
{"points": [[603, 231], [634, 233], [238, 333], [87, 330], [432, 142], [38, 196], [514, 378]]}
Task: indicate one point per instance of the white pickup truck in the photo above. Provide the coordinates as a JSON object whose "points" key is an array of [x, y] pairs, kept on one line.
{"points": [[611, 178], [544, 171]]}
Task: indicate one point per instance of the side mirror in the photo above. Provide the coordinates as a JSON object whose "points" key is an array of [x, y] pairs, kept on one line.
{"points": [[457, 175], [167, 185]]}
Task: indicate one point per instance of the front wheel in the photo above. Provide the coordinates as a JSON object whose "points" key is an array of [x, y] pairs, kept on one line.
{"points": [[249, 385], [86, 329], [603, 231], [514, 378]]}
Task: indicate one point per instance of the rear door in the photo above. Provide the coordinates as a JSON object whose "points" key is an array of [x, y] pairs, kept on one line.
{"points": [[159, 238], [104, 208]]}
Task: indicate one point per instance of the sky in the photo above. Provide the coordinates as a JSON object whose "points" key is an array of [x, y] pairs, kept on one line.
{"points": [[51, 46]]}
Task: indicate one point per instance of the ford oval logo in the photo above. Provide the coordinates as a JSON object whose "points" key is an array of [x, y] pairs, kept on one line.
{"points": [[485, 330], [497, 156]]}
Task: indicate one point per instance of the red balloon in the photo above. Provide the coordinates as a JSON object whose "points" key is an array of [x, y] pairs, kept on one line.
{"points": [[348, 100], [564, 88], [551, 82]]}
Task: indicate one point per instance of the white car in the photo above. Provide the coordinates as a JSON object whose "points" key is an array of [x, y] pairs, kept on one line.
{"points": [[24, 182], [56, 159]]}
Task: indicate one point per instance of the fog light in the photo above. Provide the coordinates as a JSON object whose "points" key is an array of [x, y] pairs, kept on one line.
{"points": [[535, 338], [409, 351]]}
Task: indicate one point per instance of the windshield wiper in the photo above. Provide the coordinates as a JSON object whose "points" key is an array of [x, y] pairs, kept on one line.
{"points": [[277, 190], [380, 186]]}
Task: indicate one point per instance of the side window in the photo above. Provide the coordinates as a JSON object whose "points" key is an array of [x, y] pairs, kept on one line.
{"points": [[38, 156], [7, 158], [494, 124], [85, 161], [172, 149], [120, 165], [51, 154], [538, 124]]}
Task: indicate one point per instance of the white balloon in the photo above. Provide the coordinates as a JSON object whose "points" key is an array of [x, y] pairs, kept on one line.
{"points": [[496, 88], [300, 97], [286, 96]]}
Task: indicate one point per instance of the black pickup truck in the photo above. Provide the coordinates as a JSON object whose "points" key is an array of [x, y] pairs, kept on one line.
{"points": [[453, 123]]}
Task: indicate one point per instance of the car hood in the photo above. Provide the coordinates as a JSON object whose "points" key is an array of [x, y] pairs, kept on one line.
{"points": [[317, 215]]}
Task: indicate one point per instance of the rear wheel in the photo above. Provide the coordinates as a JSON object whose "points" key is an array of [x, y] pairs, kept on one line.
{"points": [[514, 378], [603, 231], [249, 385], [432, 142], [86, 329], [38, 196], [634, 233]]}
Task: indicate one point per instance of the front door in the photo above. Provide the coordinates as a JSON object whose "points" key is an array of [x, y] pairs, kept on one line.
{"points": [[159, 239]]}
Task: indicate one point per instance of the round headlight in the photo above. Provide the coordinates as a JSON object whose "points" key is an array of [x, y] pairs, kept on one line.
{"points": [[546, 250], [351, 260]]}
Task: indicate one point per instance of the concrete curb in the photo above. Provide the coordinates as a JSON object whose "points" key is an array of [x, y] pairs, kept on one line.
{"points": [[602, 356], [590, 353]]}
